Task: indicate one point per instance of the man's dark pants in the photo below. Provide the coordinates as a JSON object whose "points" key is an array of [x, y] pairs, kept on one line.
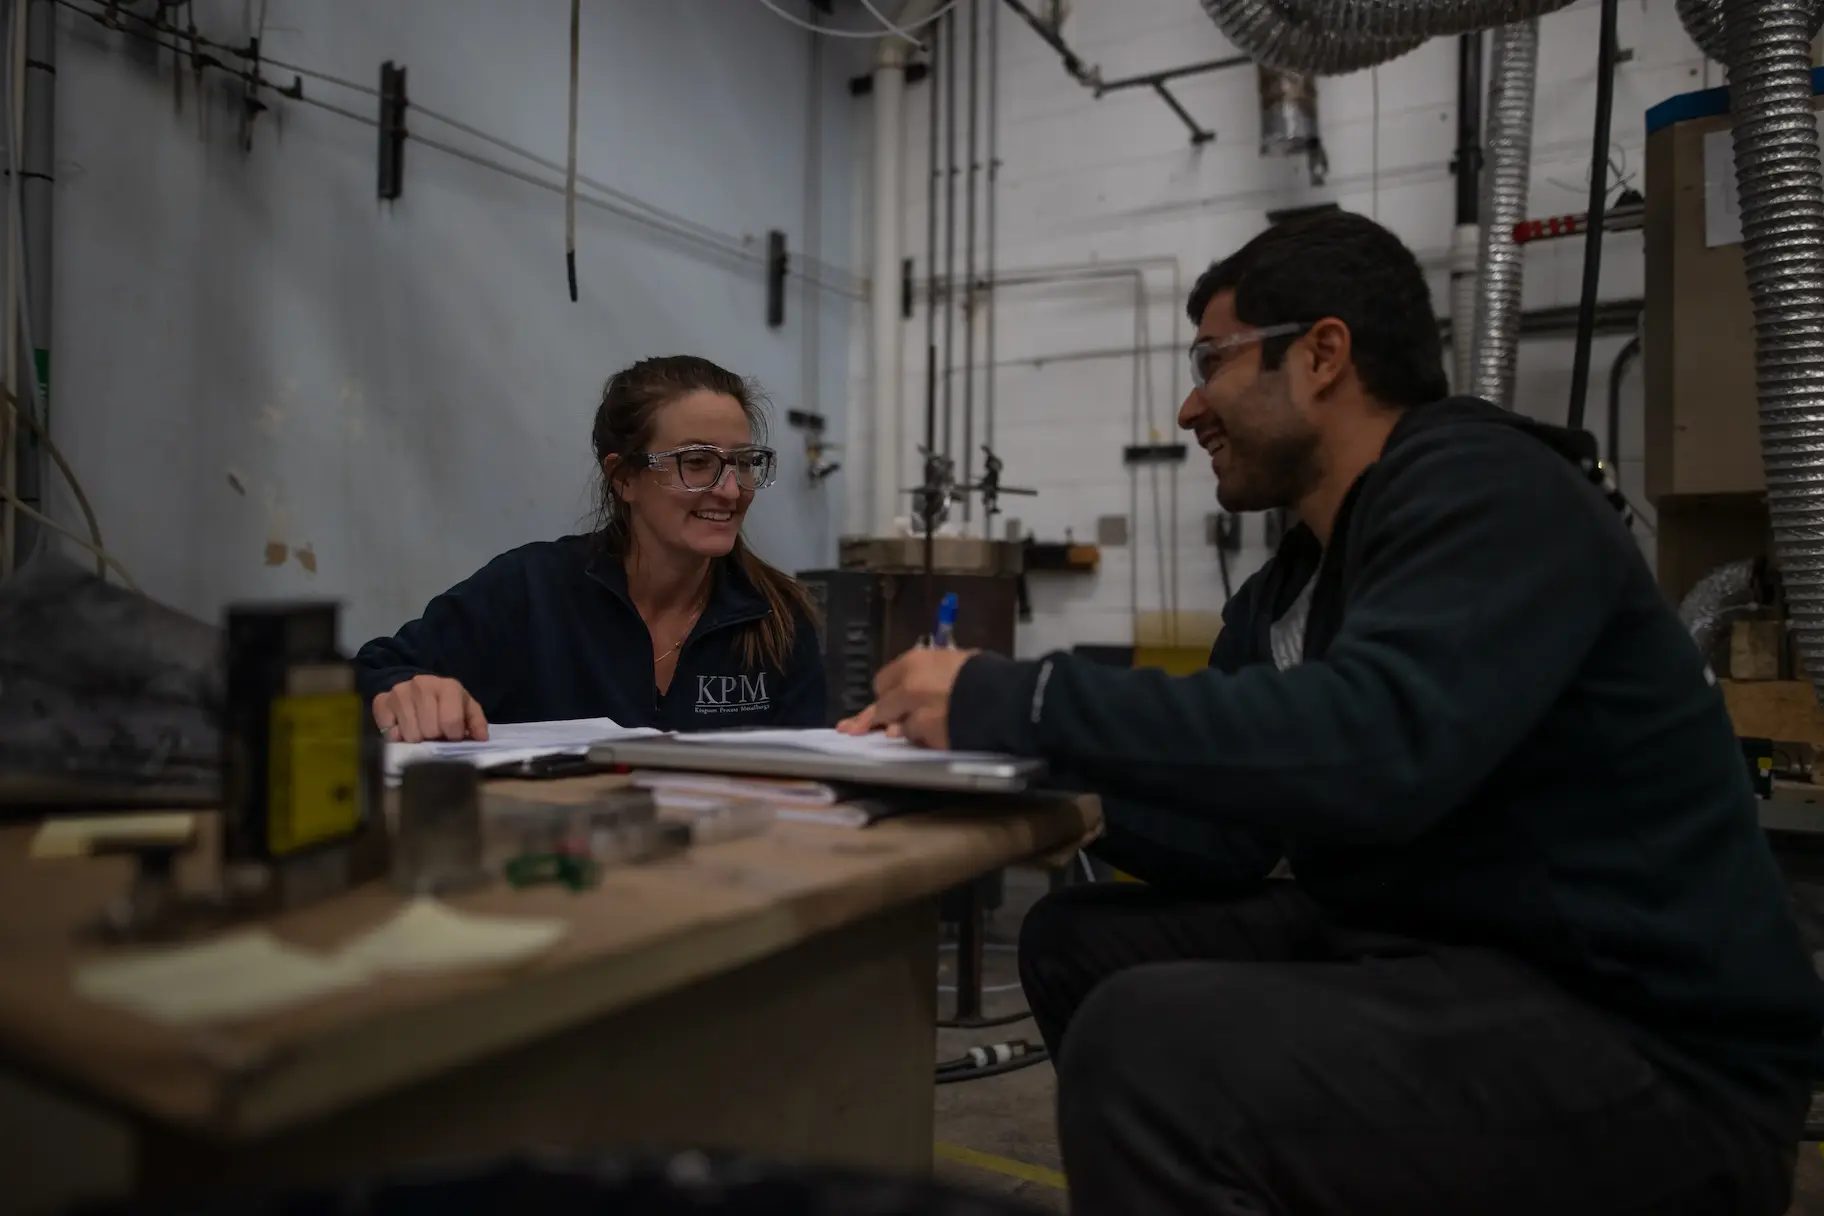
{"points": [[1242, 1055]]}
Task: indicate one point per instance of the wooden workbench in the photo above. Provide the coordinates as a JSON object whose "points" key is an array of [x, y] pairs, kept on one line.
{"points": [[774, 995]]}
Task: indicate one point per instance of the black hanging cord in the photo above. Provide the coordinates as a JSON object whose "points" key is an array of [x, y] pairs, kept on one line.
{"points": [[1599, 198], [1618, 371]]}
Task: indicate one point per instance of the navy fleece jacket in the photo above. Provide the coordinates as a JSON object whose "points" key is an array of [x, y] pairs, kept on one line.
{"points": [[547, 632], [1500, 736]]}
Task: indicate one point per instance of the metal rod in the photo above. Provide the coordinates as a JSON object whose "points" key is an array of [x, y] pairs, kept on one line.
{"points": [[971, 934], [924, 501], [1468, 164], [950, 170], [1599, 198], [936, 66], [1090, 77], [1198, 134], [975, 71], [811, 391], [1072, 64], [994, 173], [1613, 317], [1149, 79]]}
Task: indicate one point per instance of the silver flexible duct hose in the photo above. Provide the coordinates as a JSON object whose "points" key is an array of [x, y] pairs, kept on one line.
{"points": [[1501, 264], [1704, 22], [1329, 37], [1782, 205], [1333, 37], [1715, 599]]}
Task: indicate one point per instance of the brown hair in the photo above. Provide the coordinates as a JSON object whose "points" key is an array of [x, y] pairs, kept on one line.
{"points": [[631, 401]]}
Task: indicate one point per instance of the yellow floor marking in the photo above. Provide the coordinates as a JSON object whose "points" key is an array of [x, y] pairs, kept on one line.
{"points": [[1000, 1165]]}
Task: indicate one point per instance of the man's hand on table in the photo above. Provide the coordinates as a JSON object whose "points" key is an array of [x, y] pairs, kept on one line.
{"points": [[428, 707], [912, 697]]}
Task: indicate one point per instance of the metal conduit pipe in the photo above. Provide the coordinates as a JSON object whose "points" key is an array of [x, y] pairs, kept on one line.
{"points": [[1703, 20], [1335, 36], [1768, 45], [1501, 263], [1332, 37]]}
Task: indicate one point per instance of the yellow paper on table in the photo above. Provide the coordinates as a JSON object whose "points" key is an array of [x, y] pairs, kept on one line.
{"points": [[82, 836], [237, 976], [428, 935]]}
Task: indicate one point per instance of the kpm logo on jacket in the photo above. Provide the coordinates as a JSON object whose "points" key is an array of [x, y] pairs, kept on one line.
{"points": [[732, 694]]}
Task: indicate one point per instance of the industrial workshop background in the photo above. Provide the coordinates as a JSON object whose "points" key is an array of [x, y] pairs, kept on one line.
{"points": [[270, 382]]}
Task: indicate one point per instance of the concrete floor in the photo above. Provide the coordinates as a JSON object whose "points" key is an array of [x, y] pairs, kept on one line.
{"points": [[992, 1132]]}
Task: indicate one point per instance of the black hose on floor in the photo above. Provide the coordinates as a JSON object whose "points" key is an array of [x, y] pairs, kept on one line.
{"points": [[1037, 1055]]}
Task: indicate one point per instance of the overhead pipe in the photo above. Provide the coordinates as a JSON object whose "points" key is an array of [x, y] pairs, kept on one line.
{"points": [[883, 425], [1333, 37], [994, 174], [950, 171], [1767, 50], [1090, 76], [940, 67], [1703, 20], [975, 72], [1330, 37]]}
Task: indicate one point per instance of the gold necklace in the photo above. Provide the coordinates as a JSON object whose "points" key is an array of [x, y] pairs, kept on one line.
{"points": [[680, 642]]}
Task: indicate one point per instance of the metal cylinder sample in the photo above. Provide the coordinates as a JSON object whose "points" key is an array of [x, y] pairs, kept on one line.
{"points": [[1288, 112], [437, 844]]}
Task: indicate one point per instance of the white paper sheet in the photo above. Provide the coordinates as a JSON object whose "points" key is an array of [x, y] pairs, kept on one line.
{"points": [[428, 935], [238, 976], [513, 742], [876, 746]]}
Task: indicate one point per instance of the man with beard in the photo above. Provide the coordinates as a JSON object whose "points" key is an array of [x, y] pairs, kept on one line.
{"points": [[1535, 955]]}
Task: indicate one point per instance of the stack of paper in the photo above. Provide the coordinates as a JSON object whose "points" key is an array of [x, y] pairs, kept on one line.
{"points": [[700, 791], [876, 746], [513, 742]]}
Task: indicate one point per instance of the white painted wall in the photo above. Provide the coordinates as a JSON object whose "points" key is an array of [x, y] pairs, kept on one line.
{"points": [[405, 390], [1117, 180]]}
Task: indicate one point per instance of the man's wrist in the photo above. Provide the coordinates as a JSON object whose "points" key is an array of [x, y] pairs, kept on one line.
{"points": [[991, 706]]}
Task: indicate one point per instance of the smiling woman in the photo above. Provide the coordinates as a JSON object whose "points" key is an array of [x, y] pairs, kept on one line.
{"points": [[604, 625]]}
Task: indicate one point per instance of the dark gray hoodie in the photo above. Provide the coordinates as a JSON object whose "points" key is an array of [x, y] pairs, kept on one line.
{"points": [[1499, 736]]}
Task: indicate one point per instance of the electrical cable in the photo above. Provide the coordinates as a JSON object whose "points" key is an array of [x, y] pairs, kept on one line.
{"points": [[15, 110], [1618, 371], [810, 269], [29, 409], [988, 1054], [886, 26], [1036, 1056], [102, 556], [1599, 198], [576, 22]]}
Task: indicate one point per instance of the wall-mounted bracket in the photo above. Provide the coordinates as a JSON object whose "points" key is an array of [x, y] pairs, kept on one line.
{"points": [[777, 266], [392, 131]]}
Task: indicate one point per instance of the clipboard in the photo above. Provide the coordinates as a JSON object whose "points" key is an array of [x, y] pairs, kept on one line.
{"points": [[999, 775]]}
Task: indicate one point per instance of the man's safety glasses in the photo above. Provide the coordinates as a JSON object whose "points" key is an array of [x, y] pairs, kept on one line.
{"points": [[702, 466], [1207, 355]]}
